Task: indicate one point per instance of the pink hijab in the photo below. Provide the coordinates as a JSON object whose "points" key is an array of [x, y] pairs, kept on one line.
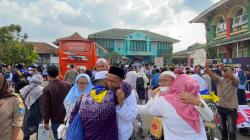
{"points": [[187, 112]]}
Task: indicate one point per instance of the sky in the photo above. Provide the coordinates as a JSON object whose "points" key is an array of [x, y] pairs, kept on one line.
{"points": [[47, 20]]}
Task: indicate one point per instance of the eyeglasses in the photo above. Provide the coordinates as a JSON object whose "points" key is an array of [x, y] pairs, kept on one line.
{"points": [[82, 83], [225, 69]]}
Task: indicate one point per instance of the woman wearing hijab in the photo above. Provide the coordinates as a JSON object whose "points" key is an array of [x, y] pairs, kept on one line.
{"points": [[97, 111], [33, 103], [12, 113], [181, 120], [82, 85], [241, 88]]}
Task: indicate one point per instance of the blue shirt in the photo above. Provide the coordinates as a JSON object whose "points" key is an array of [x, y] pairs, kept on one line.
{"points": [[155, 80]]}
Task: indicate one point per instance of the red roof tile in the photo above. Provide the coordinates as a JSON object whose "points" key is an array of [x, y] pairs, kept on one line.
{"points": [[44, 48], [74, 36]]}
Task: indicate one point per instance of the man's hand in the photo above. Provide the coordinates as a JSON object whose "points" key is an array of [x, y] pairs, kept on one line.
{"points": [[120, 97], [189, 99], [155, 91], [207, 63], [46, 126]]}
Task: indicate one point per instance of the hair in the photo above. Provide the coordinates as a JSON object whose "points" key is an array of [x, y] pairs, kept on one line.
{"points": [[71, 66], [53, 71], [89, 73], [157, 71]]}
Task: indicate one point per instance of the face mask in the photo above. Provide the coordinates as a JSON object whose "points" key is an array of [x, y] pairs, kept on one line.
{"points": [[162, 89]]}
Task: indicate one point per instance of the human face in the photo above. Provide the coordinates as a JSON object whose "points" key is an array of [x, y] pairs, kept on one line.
{"points": [[101, 66], [113, 81], [226, 71], [4, 69], [34, 69], [165, 81], [82, 83], [82, 71]]}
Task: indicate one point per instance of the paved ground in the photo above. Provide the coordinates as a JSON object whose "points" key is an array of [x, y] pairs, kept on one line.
{"points": [[147, 123]]}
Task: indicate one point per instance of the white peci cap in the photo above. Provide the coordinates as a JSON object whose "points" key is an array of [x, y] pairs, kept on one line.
{"points": [[101, 75], [170, 73]]}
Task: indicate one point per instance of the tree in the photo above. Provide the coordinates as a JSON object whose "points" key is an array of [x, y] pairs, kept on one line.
{"points": [[211, 52], [13, 49], [113, 57]]}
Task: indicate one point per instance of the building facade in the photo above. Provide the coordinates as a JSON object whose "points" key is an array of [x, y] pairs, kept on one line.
{"points": [[180, 57], [48, 55], [138, 45], [228, 29]]}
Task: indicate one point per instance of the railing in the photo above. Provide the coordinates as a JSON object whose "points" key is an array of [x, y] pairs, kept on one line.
{"points": [[240, 20]]}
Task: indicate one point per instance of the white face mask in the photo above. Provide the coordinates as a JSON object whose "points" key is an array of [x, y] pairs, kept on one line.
{"points": [[162, 89]]}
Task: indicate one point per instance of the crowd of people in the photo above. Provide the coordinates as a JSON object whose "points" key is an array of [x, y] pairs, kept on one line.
{"points": [[108, 103]]}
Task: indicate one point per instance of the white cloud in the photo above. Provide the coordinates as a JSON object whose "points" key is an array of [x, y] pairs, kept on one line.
{"points": [[46, 20], [215, 1]]}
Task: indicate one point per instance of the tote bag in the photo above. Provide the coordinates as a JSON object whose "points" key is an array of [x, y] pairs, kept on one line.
{"points": [[75, 129]]}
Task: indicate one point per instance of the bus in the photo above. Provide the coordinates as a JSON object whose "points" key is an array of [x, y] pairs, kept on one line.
{"points": [[76, 51]]}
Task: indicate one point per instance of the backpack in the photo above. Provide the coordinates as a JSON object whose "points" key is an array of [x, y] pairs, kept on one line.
{"points": [[140, 88]]}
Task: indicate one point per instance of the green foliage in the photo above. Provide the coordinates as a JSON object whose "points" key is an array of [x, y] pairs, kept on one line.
{"points": [[113, 57], [211, 52], [167, 57], [13, 50]]}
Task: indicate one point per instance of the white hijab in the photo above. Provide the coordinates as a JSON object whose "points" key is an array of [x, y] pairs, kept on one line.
{"points": [[131, 77], [33, 91]]}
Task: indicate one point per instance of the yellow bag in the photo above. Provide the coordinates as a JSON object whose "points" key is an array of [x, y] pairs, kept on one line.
{"points": [[156, 127]]}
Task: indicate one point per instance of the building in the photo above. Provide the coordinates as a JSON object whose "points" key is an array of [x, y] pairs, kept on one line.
{"points": [[47, 53], [138, 45], [193, 55], [180, 57], [196, 54], [228, 29]]}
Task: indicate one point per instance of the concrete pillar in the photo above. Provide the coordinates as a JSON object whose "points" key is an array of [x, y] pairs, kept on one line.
{"points": [[228, 52]]}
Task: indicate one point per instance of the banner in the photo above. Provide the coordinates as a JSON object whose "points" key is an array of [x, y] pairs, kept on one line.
{"points": [[199, 57], [158, 61]]}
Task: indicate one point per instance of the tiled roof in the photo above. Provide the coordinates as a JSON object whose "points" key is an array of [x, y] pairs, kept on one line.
{"points": [[195, 46], [123, 33], [180, 54], [74, 36], [44, 48]]}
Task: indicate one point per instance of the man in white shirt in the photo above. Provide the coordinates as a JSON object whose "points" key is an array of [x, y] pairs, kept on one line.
{"points": [[126, 110]]}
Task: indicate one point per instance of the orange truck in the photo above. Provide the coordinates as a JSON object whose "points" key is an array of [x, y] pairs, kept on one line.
{"points": [[77, 51]]}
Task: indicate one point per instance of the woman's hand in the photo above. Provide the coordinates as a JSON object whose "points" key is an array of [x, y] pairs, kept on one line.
{"points": [[189, 99]]}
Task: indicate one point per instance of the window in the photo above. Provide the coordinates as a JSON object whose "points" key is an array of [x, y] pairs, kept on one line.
{"points": [[240, 18], [76, 47], [138, 46], [243, 53], [221, 26]]}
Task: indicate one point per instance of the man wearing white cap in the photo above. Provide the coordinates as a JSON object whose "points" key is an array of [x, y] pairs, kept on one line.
{"points": [[166, 79]]}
